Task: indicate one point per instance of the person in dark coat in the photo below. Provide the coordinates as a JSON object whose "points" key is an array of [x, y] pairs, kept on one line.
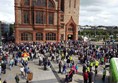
{"points": [[104, 75], [84, 68], [17, 79], [90, 74], [45, 63], [3, 65], [68, 62], [60, 65], [4, 81]]}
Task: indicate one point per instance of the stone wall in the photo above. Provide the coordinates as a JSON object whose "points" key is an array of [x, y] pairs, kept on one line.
{"points": [[71, 11]]}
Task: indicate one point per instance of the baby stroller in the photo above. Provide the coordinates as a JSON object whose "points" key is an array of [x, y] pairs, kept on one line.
{"points": [[69, 76]]}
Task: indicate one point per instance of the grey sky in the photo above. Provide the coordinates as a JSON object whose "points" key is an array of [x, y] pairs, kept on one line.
{"points": [[99, 12], [92, 12]]}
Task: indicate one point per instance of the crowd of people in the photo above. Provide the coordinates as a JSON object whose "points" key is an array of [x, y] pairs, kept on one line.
{"points": [[62, 53]]}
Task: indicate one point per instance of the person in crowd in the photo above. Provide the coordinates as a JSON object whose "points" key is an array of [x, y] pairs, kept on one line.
{"points": [[60, 66], [45, 63], [85, 76], [3, 65], [22, 71], [89, 55], [64, 68], [26, 70], [84, 68], [76, 68], [69, 76], [11, 63], [17, 78], [4, 81], [90, 75], [0, 80], [40, 60], [0, 70], [104, 75], [96, 67]]}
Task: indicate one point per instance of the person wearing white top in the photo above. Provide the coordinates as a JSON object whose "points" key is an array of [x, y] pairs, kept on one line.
{"points": [[0, 70], [22, 71]]}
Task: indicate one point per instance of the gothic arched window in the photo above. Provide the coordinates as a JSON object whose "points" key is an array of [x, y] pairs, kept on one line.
{"points": [[51, 36], [39, 36], [70, 29], [40, 17], [26, 36]]}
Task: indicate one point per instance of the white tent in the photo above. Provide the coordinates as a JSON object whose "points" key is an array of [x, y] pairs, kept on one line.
{"points": [[85, 39]]}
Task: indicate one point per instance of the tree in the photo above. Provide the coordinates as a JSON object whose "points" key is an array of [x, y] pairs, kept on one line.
{"points": [[11, 29]]}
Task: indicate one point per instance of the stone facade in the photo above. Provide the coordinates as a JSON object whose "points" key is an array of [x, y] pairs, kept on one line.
{"points": [[65, 29]]}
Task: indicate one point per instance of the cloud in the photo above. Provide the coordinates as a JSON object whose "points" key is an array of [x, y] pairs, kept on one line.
{"points": [[98, 12], [89, 2], [7, 10]]}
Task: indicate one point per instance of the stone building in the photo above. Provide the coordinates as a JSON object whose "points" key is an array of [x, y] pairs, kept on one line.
{"points": [[46, 20]]}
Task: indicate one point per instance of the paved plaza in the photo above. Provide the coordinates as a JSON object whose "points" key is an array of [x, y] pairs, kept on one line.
{"points": [[39, 75], [49, 76], [78, 78]]}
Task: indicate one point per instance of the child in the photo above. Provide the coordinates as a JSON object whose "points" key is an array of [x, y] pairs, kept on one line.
{"points": [[76, 68], [64, 68]]}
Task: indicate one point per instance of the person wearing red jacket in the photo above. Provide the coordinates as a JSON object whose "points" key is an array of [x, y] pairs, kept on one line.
{"points": [[85, 76]]}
